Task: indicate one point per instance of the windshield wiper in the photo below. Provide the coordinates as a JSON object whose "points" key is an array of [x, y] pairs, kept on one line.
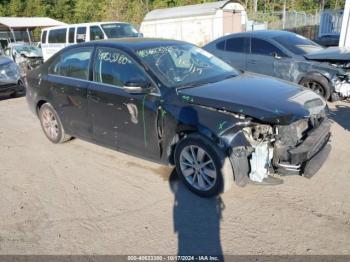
{"points": [[192, 85]]}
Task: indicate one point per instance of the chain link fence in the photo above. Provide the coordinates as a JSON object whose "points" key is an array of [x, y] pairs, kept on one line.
{"points": [[302, 23]]}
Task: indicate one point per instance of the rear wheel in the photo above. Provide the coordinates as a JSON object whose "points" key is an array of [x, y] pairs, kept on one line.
{"points": [[203, 168], [51, 124], [318, 84]]}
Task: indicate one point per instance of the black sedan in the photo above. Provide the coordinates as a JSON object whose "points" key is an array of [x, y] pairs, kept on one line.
{"points": [[290, 57], [174, 103]]}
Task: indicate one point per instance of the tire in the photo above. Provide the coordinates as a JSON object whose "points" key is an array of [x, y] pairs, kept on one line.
{"points": [[213, 176], [51, 124], [318, 84]]}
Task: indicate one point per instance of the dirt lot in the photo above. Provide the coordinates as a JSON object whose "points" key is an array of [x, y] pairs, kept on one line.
{"points": [[80, 198]]}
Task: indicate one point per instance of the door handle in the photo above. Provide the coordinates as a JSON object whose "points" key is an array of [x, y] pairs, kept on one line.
{"points": [[94, 98], [252, 61]]}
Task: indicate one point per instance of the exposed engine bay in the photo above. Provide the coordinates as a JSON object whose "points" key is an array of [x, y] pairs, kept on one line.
{"points": [[285, 149]]}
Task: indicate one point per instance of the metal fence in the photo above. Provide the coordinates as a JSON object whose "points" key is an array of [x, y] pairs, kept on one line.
{"points": [[287, 20]]}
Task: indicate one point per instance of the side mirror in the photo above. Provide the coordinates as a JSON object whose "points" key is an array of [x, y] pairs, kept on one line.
{"points": [[276, 56], [137, 87]]}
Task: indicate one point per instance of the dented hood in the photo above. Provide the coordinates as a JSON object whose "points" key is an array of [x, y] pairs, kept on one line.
{"points": [[331, 53], [268, 99]]}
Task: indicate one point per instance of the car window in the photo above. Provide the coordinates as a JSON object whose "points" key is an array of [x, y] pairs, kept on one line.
{"points": [[297, 44], [262, 47], [57, 35], [235, 44], [71, 35], [96, 33], [43, 37], [73, 63], [117, 30], [116, 68], [180, 65], [81, 34], [221, 45]]}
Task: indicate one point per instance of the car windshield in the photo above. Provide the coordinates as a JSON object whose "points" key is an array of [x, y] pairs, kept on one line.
{"points": [[117, 30], [298, 44], [183, 65], [28, 49]]}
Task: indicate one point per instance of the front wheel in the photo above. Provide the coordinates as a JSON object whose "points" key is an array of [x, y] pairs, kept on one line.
{"points": [[51, 124], [201, 165], [318, 84]]}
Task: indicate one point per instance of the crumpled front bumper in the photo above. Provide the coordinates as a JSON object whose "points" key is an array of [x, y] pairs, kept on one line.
{"points": [[308, 157], [342, 88]]}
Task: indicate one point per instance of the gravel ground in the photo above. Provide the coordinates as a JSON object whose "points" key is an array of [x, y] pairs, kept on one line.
{"points": [[80, 198]]}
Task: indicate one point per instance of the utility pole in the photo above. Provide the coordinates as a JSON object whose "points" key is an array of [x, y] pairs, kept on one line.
{"points": [[284, 15], [344, 40]]}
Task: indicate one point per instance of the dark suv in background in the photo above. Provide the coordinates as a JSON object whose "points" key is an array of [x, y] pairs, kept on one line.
{"points": [[287, 56]]}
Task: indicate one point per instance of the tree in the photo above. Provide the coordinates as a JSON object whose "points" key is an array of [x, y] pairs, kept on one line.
{"points": [[86, 11], [15, 8]]}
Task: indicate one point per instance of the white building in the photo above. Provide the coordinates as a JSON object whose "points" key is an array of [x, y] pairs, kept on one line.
{"points": [[198, 24]]}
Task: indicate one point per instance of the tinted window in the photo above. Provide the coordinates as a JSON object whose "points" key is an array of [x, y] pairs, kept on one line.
{"points": [[57, 36], [297, 44], [261, 47], [221, 45], [81, 34], [235, 45], [115, 68], [71, 35], [96, 33], [74, 63], [43, 37]]}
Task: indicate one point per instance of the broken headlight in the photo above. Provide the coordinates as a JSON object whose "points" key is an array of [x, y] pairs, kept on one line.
{"points": [[342, 65], [259, 132], [9, 72]]}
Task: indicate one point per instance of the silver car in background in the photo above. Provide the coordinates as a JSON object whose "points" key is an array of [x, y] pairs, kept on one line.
{"points": [[10, 78], [26, 56], [288, 56]]}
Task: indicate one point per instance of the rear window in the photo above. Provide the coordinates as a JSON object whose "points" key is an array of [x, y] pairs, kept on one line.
{"points": [[43, 37], [73, 63], [58, 35]]}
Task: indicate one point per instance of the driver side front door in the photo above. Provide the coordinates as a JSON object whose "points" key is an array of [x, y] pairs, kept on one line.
{"points": [[122, 120], [266, 59]]}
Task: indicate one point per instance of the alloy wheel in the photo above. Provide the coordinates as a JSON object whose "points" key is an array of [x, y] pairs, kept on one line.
{"points": [[316, 87], [198, 167], [50, 124]]}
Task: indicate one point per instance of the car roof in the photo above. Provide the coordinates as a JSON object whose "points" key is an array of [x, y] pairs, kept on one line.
{"points": [[84, 24], [135, 43], [267, 34]]}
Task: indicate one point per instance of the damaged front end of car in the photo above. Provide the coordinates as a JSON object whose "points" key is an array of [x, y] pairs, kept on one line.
{"points": [[259, 150], [341, 83]]}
